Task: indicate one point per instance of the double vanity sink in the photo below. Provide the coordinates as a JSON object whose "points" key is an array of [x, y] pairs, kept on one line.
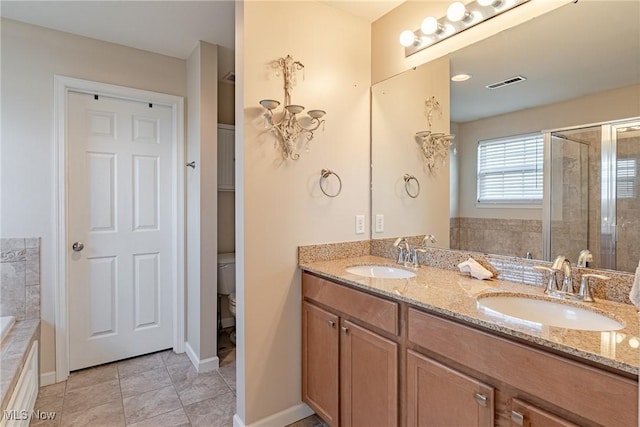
{"points": [[602, 332], [537, 310], [492, 346]]}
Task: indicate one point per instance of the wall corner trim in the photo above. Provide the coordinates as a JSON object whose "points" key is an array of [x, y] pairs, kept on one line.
{"points": [[205, 365], [47, 378], [282, 418]]}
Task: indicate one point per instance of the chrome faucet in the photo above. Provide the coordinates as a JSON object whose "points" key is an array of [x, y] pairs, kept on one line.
{"points": [[584, 257], [561, 264], [407, 255], [404, 251]]}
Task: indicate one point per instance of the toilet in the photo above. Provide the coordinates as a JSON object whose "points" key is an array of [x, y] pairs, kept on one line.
{"points": [[227, 282]]}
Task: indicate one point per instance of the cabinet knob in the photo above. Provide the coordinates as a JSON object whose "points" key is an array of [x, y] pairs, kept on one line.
{"points": [[481, 399], [517, 418], [331, 323], [345, 330]]}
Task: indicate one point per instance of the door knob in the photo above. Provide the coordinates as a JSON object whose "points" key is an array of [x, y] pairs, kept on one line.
{"points": [[77, 246]]}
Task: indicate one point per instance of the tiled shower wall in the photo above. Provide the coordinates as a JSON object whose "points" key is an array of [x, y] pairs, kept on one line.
{"points": [[20, 278], [512, 237]]}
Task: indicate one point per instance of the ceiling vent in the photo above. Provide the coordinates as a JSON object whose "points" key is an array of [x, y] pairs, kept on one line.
{"points": [[506, 82], [230, 77]]}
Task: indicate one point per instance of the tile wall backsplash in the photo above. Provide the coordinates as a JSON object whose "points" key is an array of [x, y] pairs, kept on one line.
{"points": [[513, 237], [20, 278]]}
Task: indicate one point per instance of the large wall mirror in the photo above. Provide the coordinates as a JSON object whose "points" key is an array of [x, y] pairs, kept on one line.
{"points": [[572, 117]]}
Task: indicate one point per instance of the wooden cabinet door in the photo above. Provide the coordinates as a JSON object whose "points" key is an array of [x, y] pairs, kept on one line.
{"points": [[320, 362], [524, 414], [440, 396], [369, 378]]}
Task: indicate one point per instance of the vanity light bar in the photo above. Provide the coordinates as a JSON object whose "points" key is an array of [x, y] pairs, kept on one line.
{"points": [[459, 18]]}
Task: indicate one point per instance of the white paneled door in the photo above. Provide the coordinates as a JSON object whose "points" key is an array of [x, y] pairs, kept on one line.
{"points": [[119, 218]]}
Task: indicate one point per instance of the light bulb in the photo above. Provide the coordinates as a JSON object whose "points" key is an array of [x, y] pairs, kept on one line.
{"points": [[457, 12], [407, 38], [430, 25]]}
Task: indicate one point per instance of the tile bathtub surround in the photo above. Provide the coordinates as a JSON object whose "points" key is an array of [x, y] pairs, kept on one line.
{"points": [[20, 278], [14, 351], [513, 269]]}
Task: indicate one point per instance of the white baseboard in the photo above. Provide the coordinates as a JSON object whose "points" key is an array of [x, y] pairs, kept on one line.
{"points": [[228, 322], [47, 378], [282, 418], [204, 365]]}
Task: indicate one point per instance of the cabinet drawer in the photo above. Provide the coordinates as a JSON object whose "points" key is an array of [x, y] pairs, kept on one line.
{"points": [[373, 310], [594, 394]]}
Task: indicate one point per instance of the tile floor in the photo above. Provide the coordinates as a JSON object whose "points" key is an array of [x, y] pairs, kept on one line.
{"points": [[156, 390]]}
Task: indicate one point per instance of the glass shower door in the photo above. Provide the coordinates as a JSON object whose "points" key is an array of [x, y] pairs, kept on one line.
{"points": [[592, 198], [569, 175], [621, 224]]}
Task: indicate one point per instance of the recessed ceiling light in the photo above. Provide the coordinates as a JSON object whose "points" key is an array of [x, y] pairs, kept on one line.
{"points": [[460, 77]]}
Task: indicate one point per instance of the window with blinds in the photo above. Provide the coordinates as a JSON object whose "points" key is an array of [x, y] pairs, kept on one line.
{"points": [[626, 178], [510, 170]]}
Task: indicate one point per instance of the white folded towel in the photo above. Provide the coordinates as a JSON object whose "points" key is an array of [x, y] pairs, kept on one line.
{"points": [[476, 270], [634, 295]]}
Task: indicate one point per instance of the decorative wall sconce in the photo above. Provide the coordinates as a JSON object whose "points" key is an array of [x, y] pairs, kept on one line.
{"points": [[288, 130], [459, 17], [435, 146]]}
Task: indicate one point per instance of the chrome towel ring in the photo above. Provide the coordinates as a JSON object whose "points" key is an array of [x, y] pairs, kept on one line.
{"points": [[407, 185], [324, 175]]}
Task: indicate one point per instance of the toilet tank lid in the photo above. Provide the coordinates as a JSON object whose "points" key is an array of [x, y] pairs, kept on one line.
{"points": [[226, 257]]}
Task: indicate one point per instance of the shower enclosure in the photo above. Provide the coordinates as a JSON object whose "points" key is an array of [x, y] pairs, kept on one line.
{"points": [[591, 198]]}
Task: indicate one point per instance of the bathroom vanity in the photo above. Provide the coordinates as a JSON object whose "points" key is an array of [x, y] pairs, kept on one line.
{"points": [[419, 351]]}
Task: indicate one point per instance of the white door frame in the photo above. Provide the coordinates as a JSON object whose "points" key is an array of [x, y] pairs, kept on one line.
{"points": [[62, 86]]}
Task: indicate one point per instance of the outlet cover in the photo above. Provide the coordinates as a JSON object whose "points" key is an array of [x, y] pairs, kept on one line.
{"points": [[379, 223], [359, 224]]}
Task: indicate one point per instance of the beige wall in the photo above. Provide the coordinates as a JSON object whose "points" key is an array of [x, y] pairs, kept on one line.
{"points": [[279, 202], [387, 55], [30, 58], [397, 113], [605, 106], [202, 205]]}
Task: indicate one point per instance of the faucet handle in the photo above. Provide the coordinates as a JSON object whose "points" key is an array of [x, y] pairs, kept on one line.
{"points": [[399, 240], [429, 238], [551, 284], [585, 289], [402, 256]]}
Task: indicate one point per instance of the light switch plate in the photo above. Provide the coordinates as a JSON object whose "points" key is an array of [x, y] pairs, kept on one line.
{"points": [[379, 223], [359, 224]]}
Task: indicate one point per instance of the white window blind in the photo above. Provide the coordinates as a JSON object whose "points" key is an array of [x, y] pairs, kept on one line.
{"points": [[626, 178], [510, 170]]}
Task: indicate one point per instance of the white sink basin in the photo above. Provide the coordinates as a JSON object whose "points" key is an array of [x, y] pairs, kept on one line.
{"points": [[547, 313], [381, 272]]}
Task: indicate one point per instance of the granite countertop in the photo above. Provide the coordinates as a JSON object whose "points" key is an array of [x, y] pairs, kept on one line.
{"points": [[453, 294], [15, 349]]}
